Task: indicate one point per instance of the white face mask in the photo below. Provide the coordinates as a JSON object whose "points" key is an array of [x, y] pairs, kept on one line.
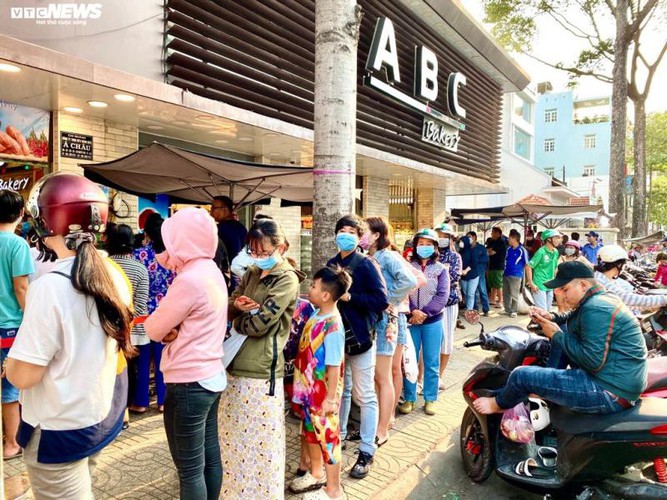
{"points": [[570, 250], [461, 244], [443, 242]]}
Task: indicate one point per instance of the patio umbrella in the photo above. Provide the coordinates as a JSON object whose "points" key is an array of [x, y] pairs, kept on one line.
{"points": [[186, 176]]}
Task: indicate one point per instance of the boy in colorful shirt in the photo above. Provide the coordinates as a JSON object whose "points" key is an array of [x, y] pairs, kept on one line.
{"points": [[318, 382]]}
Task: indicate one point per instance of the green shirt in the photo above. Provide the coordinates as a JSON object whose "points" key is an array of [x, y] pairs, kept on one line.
{"points": [[15, 261], [544, 264]]}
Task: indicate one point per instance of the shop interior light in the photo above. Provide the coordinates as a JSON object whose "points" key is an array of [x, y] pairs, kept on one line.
{"points": [[26, 167], [205, 118], [97, 104], [154, 127], [72, 109], [246, 138], [9, 68], [124, 97]]}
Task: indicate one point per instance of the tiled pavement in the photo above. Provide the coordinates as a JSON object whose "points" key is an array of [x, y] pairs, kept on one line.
{"points": [[138, 465]]}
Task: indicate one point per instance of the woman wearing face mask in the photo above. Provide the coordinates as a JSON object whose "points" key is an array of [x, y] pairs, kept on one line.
{"points": [[611, 259], [426, 312], [393, 325], [470, 273], [572, 252], [454, 264], [252, 421]]}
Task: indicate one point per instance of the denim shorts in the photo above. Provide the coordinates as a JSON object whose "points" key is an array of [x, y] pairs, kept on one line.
{"points": [[10, 394], [384, 347], [402, 337]]}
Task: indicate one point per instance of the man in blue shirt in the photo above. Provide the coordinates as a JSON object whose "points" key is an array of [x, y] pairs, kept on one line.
{"points": [[516, 260], [15, 266], [590, 249]]}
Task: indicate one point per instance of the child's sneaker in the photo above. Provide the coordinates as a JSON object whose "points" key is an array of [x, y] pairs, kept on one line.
{"points": [[307, 482]]}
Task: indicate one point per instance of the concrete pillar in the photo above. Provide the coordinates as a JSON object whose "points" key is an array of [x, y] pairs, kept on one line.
{"points": [[375, 197], [429, 207]]}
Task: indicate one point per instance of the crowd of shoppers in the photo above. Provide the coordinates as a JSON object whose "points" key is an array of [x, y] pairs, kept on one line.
{"points": [[156, 309]]}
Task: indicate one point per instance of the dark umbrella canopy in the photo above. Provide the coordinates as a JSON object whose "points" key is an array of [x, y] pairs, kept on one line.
{"points": [[195, 177]]}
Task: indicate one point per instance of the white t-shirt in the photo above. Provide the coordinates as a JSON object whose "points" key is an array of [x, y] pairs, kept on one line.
{"points": [[41, 267], [61, 330]]}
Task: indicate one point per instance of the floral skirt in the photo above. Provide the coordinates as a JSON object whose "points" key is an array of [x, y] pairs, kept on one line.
{"points": [[252, 440]]}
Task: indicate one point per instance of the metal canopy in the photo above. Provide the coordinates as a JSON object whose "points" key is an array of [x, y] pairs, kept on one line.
{"points": [[186, 176]]}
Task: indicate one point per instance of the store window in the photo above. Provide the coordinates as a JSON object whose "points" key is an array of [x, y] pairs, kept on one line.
{"points": [[523, 108], [522, 143], [550, 171], [590, 141], [549, 145], [550, 116], [589, 170]]}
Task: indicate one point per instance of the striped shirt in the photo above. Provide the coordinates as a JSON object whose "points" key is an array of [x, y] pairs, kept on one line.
{"points": [[137, 274], [628, 296]]}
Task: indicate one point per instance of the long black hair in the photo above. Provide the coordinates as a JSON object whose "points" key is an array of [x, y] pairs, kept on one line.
{"points": [[153, 229], [120, 239], [91, 277]]}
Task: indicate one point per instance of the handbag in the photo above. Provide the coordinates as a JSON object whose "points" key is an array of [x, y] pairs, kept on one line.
{"points": [[409, 360]]}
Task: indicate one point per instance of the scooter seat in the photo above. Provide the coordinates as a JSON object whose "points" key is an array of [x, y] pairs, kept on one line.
{"points": [[644, 416], [657, 373]]}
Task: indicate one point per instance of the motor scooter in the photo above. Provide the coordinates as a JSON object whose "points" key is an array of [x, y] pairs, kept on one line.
{"points": [[622, 453]]}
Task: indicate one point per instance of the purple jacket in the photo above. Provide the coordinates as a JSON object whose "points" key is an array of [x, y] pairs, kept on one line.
{"points": [[432, 297]]}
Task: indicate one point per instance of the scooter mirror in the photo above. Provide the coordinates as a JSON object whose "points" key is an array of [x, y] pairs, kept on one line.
{"points": [[471, 317]]}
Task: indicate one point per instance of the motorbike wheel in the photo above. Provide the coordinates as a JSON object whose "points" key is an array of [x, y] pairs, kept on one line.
{"points": [[475, 449]]}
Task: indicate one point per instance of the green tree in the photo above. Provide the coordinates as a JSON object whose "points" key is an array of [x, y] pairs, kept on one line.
{"points": [[604, 58], [657, 204]]}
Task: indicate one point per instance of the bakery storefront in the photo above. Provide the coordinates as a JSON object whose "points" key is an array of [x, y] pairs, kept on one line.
{"points": [[236, 79]]}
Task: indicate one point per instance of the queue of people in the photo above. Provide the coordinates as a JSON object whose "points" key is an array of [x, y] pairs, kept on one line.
{"points": [[82, 341]]}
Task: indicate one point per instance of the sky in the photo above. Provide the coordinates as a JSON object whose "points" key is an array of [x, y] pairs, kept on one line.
{"points": [[550, 35]]}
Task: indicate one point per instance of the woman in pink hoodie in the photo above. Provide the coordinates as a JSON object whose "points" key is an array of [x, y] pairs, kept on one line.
{"points": [[191, 320]]}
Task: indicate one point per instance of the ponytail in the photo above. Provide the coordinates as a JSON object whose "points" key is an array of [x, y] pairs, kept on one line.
{"points": [[91, 277]]}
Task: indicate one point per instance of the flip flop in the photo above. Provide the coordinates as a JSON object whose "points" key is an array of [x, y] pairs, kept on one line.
{"points": [[549, 456], [530, 468], [15, 455], [380, 443]]}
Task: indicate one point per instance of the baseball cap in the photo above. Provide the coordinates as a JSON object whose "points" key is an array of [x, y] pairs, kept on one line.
{"points": [[592, 233], [568, 271]]}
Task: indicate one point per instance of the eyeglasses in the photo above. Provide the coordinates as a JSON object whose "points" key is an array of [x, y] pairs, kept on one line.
{"points": [[263, 255]]}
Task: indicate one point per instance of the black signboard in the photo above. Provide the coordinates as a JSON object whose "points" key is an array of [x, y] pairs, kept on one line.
{"points": [[77, 146]]}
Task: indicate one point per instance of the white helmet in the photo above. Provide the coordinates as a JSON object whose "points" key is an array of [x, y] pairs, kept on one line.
{"points": [[612, 253], [539, 414]]}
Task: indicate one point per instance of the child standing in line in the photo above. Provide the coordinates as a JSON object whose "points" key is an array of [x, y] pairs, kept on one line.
{"points": [[318, 383], [661, 273]]}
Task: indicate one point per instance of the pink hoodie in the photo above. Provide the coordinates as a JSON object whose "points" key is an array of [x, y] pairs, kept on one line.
{"points": [[196, 302]]}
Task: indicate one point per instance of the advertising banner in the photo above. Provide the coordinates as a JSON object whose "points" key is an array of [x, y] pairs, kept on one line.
{"points": [[24, 133]]}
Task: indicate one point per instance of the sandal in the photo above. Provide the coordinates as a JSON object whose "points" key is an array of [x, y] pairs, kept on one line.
{"points": [[15, 455], [379, 443], [530, 468], [138, 410], [549, 456]]}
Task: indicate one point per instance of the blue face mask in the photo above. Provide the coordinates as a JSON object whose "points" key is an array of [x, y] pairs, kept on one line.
{"points": [[425, 252], [346, 242], [268, 263]]}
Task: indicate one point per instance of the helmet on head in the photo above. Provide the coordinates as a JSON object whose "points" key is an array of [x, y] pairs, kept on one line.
{"points": [[612, 253], [549, 233], [65, 203], [427, 234], [446, 228], [573, 243], [539, 414]]}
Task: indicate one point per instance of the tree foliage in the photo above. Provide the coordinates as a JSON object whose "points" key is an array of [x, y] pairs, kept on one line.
{"points": [[657, 204], [656, 142]]}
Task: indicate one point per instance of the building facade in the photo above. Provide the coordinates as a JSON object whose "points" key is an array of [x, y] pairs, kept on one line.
{"points": [[573, 141], [235, 79]]}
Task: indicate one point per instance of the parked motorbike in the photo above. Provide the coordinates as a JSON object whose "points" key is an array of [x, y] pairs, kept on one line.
{"points": [[622, 453], [654, 328]]}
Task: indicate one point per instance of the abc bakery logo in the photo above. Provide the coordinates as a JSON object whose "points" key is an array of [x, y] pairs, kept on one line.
{"points": [[58, 11]]}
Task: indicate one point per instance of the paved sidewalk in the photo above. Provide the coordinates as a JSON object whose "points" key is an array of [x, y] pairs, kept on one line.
{"points": [[138, 464]]}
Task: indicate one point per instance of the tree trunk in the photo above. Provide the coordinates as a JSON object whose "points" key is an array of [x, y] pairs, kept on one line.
{"points": [[619, 98], [336, 38], [639, 215]]}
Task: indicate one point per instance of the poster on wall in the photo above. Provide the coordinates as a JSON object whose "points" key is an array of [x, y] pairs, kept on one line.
{"points": [[24, 133]]}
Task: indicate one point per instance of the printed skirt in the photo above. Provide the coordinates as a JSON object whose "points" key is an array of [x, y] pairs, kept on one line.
{"points": [[252, 439]]}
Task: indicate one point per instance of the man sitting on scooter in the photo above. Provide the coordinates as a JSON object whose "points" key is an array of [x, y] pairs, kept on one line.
{"points": [[603, 340]]}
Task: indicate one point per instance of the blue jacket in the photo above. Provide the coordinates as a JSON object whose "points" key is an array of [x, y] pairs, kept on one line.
{"points": [[482, 257], [469, 259], [398, 278], [368, 296]]}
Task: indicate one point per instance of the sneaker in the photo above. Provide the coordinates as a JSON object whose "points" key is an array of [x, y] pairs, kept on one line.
{"points": [[307, 482], [441, 385], [322, 495], [406, 407], [429, 407], [485, 313], [512, 315], [354, 435], [362, 467]]}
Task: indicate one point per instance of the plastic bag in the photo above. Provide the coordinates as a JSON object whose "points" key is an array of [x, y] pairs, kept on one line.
{"points": [[516, 425], [410, 367]]}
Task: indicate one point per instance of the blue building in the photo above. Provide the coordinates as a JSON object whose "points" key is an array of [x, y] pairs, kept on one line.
{"points": [[572, 136]]}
